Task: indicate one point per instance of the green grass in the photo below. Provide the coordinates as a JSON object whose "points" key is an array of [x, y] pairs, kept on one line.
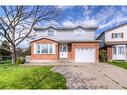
{"points": [[121, 64], [21, 77]]}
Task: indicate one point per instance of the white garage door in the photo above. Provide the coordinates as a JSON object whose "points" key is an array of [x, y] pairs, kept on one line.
{"points": [[85, 55]]}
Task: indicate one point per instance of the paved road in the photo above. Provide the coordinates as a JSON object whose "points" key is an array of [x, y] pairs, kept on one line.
{"points": [[93, 76]]}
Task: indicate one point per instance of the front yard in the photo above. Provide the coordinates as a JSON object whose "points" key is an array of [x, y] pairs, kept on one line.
{"points": [[121, 64], [21, 77]]}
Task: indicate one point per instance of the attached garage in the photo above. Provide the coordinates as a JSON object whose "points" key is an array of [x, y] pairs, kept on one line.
{"points": [[85, 55]]}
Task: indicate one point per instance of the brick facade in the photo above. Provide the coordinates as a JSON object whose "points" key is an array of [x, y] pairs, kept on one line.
{"points": [[44, 56], [109, 52], [71, 50]]}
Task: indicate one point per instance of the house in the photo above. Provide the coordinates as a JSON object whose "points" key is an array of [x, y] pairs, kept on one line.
{"points": [[114, 40], [73, 44]]}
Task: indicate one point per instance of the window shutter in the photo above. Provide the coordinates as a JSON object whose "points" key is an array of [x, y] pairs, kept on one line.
{"points": [[122, 35], [112, 35], [34, 48], [54, 48]]}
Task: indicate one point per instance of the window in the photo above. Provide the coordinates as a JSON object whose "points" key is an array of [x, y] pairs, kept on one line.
{"points": [[120, 50], [117, 35], [38, 48], [44, 48], [50, 49], [79, 32], [50, 32], [114, 50]]}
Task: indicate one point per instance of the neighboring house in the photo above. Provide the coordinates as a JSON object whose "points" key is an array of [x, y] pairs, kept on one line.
{"points": [[114, 41], [75, 44]]}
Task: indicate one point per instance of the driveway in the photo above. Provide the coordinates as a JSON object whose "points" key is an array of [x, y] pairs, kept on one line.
{"points": [[93, 76]]}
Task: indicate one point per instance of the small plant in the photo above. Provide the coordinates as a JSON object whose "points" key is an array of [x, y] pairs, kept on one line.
{"points": [[20, 60], [103, 55]]}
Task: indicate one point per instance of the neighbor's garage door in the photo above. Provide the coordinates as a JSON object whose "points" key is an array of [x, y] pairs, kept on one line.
{"points": [[85, 55]]}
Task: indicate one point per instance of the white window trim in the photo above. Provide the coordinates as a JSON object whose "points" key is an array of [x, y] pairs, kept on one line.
{"points": [[34, 48], [53, 46], [117, 46]]}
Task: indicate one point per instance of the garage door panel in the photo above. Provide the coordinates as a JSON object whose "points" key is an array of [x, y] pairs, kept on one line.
{"points": [[85, 55]]}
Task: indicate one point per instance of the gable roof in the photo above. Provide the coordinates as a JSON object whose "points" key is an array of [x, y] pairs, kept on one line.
{"points": [[111, 29], [65, 28]]}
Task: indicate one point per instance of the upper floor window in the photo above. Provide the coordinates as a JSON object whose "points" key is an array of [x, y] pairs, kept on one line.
{"points": [[117, 35], [79, 32], [50, 32]]}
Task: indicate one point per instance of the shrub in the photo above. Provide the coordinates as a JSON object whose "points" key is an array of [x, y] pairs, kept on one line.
{"points": [[103, 55], [20, 61]]}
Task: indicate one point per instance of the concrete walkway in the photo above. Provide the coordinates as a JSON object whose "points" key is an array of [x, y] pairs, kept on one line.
{"points": [[94, 76]]}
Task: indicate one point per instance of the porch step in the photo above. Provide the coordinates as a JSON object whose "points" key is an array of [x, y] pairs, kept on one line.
{"points": [[64, 61]]}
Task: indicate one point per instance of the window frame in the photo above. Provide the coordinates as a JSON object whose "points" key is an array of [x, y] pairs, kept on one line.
{"points": [[45, 45], [114, 50], [120, 49], [117, 35], [50, 30], [117, 49], [79, 32]]}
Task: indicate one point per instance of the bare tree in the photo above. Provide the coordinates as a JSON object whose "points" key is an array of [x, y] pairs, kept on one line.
{"points": [[17, 22]]}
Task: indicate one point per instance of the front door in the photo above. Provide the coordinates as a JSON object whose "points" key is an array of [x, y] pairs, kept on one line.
{"points": [[63, 51]]}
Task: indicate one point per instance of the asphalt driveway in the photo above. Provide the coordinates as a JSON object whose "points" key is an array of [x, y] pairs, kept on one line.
{"points": [[93, 76]]}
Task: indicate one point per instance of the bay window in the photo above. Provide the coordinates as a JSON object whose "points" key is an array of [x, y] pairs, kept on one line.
{"points": [[45, 48]]}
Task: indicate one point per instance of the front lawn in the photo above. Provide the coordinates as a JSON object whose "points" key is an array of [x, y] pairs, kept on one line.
{"points": [[21, 77], [121, 64]]}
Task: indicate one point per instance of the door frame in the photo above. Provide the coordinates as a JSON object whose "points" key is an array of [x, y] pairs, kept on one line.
{"points": [[61, 52]]}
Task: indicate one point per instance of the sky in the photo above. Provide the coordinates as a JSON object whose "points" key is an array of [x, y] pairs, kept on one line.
{"points": [[105, 17]]}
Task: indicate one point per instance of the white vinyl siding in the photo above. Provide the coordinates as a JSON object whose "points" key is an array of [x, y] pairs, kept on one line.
{"points": [[69, 34], [45, 48]]}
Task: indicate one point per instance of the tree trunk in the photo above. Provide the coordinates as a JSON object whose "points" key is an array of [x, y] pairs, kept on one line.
{"points": [[14, 56]]}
